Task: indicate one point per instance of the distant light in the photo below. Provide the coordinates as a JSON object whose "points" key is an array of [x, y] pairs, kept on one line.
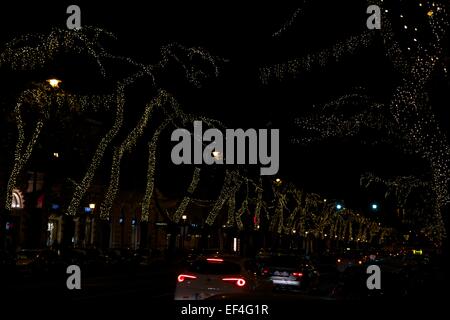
{"points": [[430, 13], [324, 200], [235, 244], [133, 221], [55, 206], [120, 220], [56, 154], [217, 155], [184, 217], [92, 206], [405, 26], [339, 206], [54, 83], [294, 231], [87, 209], [278, 180], [374, 206]]}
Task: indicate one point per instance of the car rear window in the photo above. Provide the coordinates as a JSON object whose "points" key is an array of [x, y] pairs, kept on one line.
{"points": [[205, 267]]}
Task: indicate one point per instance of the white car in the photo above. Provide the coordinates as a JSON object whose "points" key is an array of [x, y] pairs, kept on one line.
{"points": [[207, 277]]}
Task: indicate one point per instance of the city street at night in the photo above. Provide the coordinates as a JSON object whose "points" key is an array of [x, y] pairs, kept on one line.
{"points": [[224, 161]]}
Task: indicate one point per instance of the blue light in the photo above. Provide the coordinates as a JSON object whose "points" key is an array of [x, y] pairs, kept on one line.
{"points": [[374, 206], [133, 221], [55, 206], [339, 206], [87, 210], [120, 220]]}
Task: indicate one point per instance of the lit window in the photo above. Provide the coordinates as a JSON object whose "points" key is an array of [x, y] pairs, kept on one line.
{"points": [[17, 199]]}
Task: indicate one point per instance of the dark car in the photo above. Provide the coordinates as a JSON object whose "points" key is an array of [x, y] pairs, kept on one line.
{"points": [[287, 272]]}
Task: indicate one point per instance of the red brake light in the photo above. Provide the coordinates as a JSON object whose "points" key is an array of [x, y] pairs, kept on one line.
{"points": [[181, 277], [214, 260], [265, 271], [239, 281], [297, 274]]}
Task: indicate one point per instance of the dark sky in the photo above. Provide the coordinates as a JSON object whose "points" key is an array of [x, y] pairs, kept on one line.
{"points": [[243, 35]]}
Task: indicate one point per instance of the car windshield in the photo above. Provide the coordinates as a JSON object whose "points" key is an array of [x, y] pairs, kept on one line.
{"points": [[217, 268]]}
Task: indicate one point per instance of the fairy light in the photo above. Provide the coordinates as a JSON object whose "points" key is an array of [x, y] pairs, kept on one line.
{"points": [[187, 199], [82, 187], [151, 171], [406, 119]]}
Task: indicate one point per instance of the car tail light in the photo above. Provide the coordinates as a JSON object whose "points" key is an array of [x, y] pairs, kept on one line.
{"points": [[265, 271], [297, 274], [240, 282], [182, 277], [214, 260]]}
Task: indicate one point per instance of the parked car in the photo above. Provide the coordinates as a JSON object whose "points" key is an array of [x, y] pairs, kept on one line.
{"points": [[287, 272], [209, 276]]}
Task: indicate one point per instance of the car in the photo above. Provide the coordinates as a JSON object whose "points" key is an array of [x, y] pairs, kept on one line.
{"points": [[287, 272], [209, 276]]}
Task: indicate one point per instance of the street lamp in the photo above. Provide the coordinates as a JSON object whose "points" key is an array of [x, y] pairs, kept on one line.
{"points": [[374, 206], [54, 83], [184, 217], [217, 155], [339, 206], [92, 206]]}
